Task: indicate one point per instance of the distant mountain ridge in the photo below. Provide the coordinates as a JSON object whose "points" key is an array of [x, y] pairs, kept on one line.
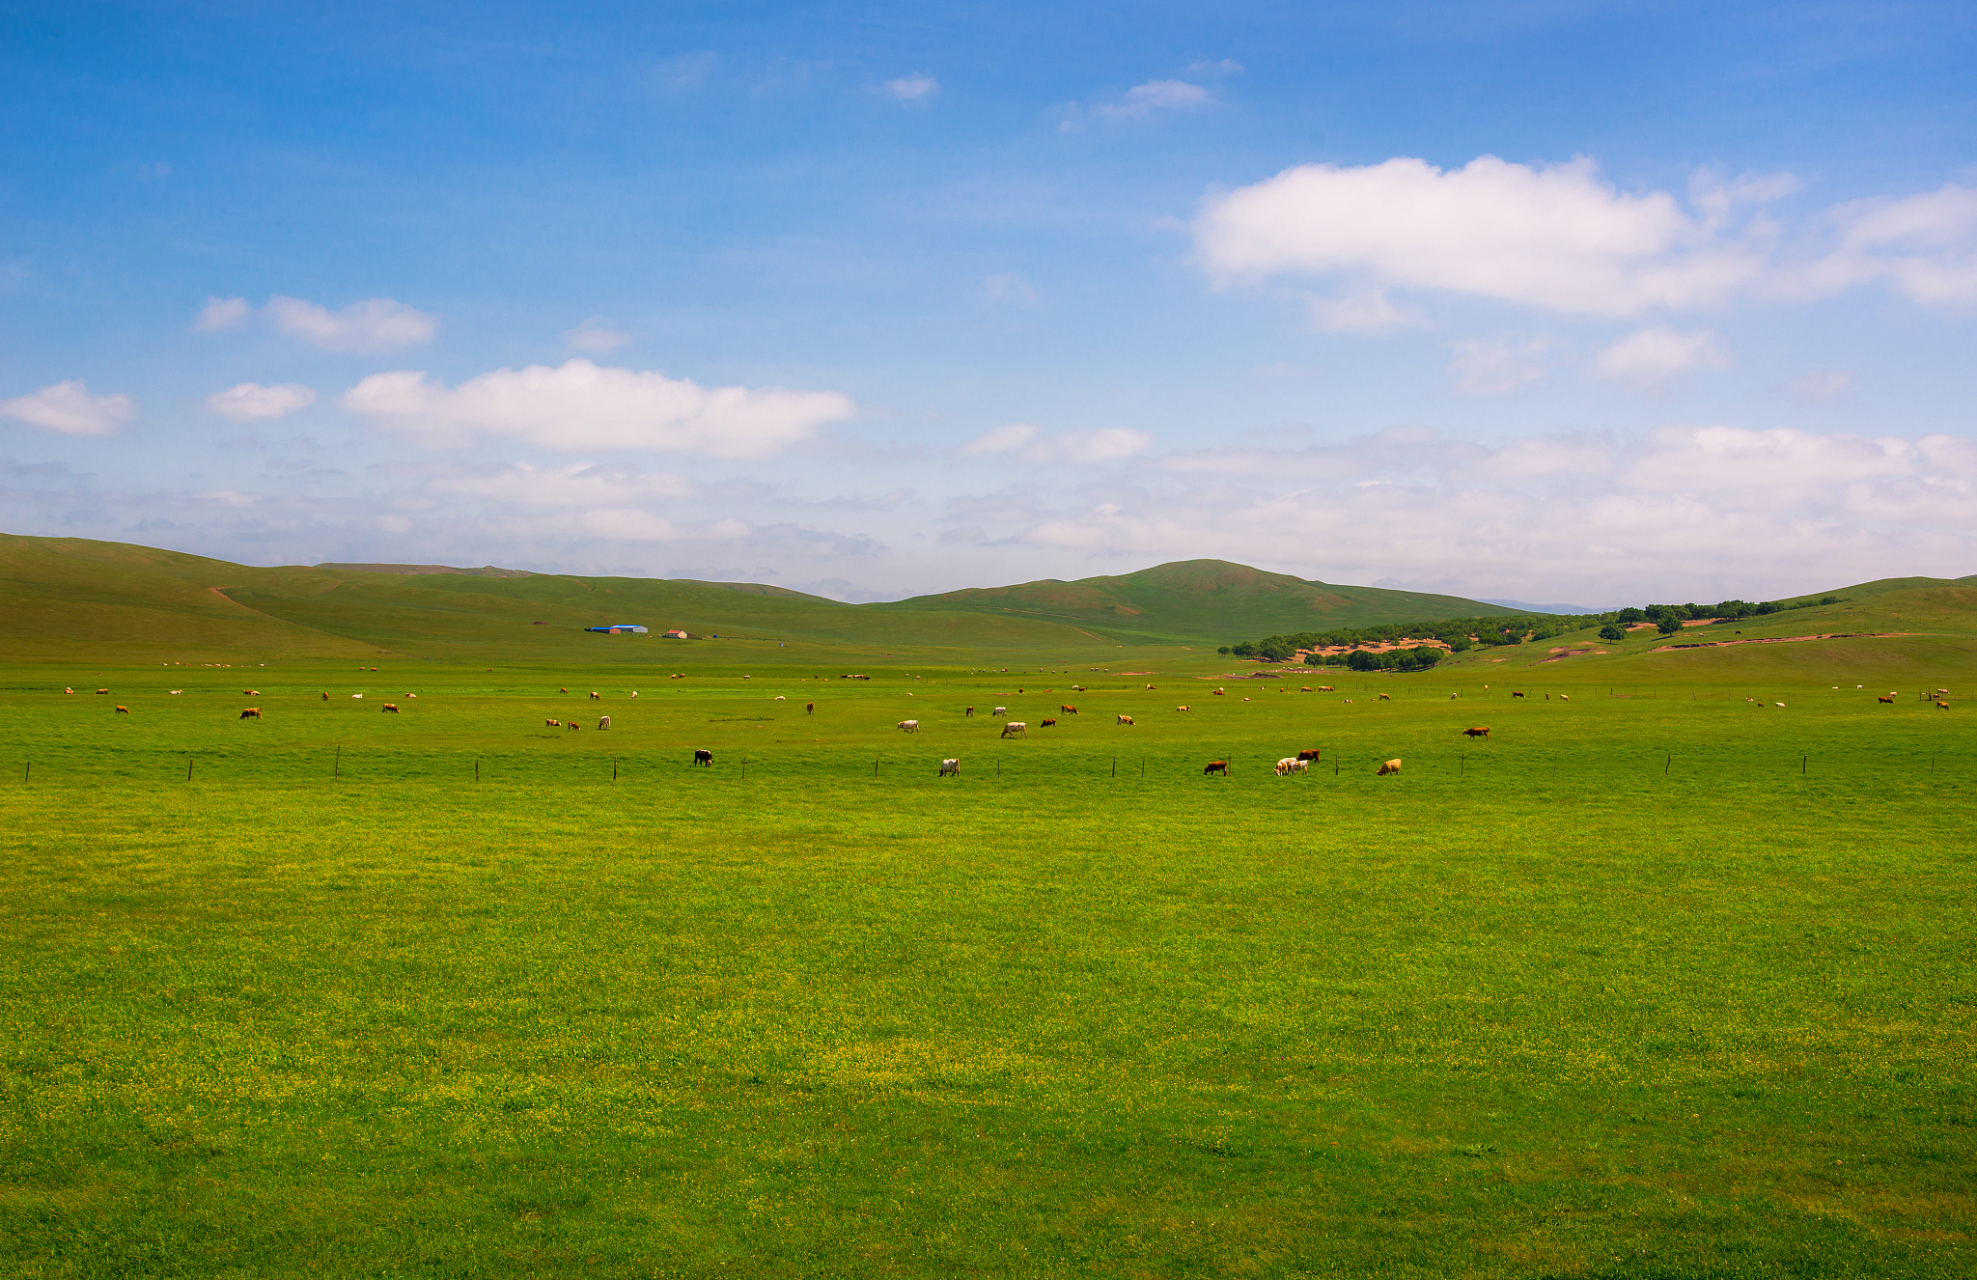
{"points": [[416, 570]]}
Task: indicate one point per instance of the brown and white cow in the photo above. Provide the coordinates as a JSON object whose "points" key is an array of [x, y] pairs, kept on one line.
{"points": [[1480, 731], [1066, 709], [391, 707], [1215, 766], [123, 711], [252, 713], [1046, 724], [1125, 719]]}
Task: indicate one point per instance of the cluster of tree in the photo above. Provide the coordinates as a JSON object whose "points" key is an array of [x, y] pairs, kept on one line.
{"points": [[1461, 633]]}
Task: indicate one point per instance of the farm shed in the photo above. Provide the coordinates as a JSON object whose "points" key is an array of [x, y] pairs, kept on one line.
{"points": [[677, 635], [619, 628]]}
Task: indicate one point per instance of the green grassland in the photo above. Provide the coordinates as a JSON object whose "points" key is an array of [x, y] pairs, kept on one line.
{"points": [[1662, 979]]}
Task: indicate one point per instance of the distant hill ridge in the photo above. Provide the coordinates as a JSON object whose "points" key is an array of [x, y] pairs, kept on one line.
{"points": [[74, 598]]}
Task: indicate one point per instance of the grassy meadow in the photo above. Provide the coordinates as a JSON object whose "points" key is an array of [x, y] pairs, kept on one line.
{"points": [[1663, 979]]}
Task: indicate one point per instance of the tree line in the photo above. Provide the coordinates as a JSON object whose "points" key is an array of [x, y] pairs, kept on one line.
{"points": [[1460, 634]]}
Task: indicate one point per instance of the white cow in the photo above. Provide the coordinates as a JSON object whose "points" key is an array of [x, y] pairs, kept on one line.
{"points": [[1291, 764], [604, 722], [1000, 711], [909, 726], [950, 766], [1015, 729]]}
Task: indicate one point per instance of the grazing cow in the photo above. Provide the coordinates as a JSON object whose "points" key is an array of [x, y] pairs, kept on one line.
{"points": [[1480, 731], [1066, 709], [252, 713], [1125, 719], [1015, 729], [810, 708], [634, 693], [1944, 705], [1565, 697], [1291, 764], [562, 689], [552, 724], [595, 696], [1046, 724], [102, 691], [176, 692], [604, 722], [356, 695], [124, 711], [1386, 697], [67, 690], [1215, 766], [701, 756], [1325, 688], [1218, 693], [1077, 688], [1000, 711], [1884, 699], [908, 726], [1187, 708], [411, 695], [1515, 694], [573, 726], [1304, 688], [780, 698], [1149, 686], [1308, 754], [391, 707], [949, 768], [971, 713], [326, 697], [1391, 766]]}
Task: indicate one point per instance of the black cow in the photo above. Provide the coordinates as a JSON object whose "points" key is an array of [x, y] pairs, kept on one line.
{"points": [[703, 757]]}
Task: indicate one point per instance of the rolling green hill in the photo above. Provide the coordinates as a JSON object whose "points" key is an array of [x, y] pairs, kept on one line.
{"points": [[75, 598]]}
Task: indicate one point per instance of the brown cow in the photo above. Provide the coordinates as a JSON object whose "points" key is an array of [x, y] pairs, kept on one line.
{"points": [[252, 713], [595, 696], [1325, 688], [574, 726], [326, 697], [1309, 753], [1944, 705], [1216, 766], [250, 693], [562, 689], [971, 714], [1067, 709], [1386, 697], [1046, 724], [1884, 699], [1125, 719], [809, 708], [552, 724], [390, 706], [1218, 693], [1515, 694], [102, 691], [1304, 688], [123, 711], [1184, 708], [1480, 731], [1391, 766]]}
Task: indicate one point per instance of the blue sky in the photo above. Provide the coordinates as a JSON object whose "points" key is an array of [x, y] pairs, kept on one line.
{"points": [[1600, 302]]}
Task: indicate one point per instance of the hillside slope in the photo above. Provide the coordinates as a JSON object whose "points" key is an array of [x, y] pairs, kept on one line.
{"points": [[1202, 600]]}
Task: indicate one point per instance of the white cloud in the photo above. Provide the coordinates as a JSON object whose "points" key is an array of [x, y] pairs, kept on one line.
{"points": [[67, 407], [1077, 448], [1367, 311], [221, 313], [1686, 512], [631, 525], [580, 484], [581, 406], [250, 401], [1925, 245], [1650, 359], [1497, 367], [914, 88], [1822, 385], [595, 335], [1142, 101], [228, 498], [371, 326], [1553, 237], [1010, 289]]}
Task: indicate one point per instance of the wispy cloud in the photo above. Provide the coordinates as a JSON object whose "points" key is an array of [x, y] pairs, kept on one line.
{"points": [[371, 326], [1153, 98], [68, 409], [252, 402], [595, 334], [913, 88], [1650, 360], [1079, 448]]}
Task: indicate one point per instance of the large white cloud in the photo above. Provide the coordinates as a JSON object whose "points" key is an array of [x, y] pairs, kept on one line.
{"points": [[68, 408], [1560, 238], [1650, 359], [371, 326], [579, 405], [251, 402]]}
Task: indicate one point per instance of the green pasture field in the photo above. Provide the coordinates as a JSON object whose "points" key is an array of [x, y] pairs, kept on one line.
{"points": [[1662, 979]]}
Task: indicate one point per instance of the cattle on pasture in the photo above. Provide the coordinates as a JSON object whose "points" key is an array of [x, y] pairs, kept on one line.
{"points": [[1308, 754], [1000, 711], [1884, 699], [1066, 709], [552, 724], [67, 690], [102, 691], [1565, 697], [573, 726], [176, 692], [595, 696], [1046, 724], [809, 708], [252, 713], [781, 698], [250, 693], [604, 722], [1015, 729], [1184, 708], [1325, 688], [562, 689], [1515, 694], [325, 697], [1480, 731], [908, 726], [1125, 719], [391, 707], [1291, 764], [1304, 688], [703, 756], [357, 695], [950, 767], [1215, 766], [1219, 693], [1386, 697], [1390, 766], [1944, 705], [122, 711]]}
